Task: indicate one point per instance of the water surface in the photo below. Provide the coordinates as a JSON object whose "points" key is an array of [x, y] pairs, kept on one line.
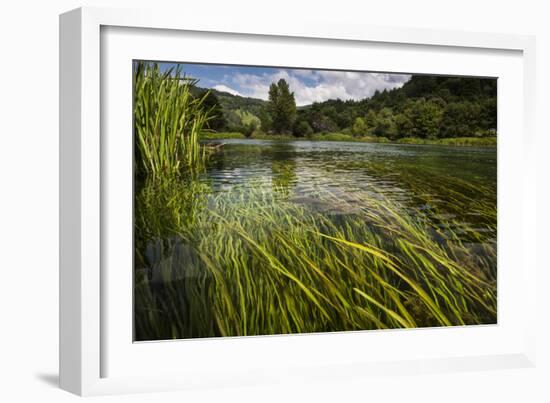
{"points": [[441, 181]]}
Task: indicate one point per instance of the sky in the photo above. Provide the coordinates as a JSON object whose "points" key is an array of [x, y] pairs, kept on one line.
{"points": [[308, 85]]}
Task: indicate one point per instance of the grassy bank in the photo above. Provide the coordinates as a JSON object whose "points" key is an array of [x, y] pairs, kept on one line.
{"points": [[457, 141], [255, 136]]}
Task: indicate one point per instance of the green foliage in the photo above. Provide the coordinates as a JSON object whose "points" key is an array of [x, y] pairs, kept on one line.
{"points": [[469, 118], [452, 141], [265, 136], [247, 118], [347, 137], [168, 120], [249, 128], [265, 120], [425, 107], [302, 129], [333, 137], [233, 121], [383, 123], [221, 135], [360, 127], [240, 120], [281, 107], [217, 119], [230, 102], [424, 117], [319, 121]]}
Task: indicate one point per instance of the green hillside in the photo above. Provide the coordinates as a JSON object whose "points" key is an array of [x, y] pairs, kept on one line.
{"points": [[425, 107], [239, 113]]}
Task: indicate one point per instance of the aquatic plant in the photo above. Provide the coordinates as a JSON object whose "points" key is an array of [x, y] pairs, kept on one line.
{"points": [[168, 119], [253, 261]]}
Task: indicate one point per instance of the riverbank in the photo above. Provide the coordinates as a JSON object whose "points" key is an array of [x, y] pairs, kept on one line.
{"points": [[456, 141]]}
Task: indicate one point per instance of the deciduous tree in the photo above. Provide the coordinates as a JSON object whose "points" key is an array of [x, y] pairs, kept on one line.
{"points": [[281, 107]]}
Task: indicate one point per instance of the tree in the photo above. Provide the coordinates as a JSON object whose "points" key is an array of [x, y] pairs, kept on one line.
{"points": [[302, 128], [404, 125], [249, 128], [281, 107], [425, 116], [360, 127], [212, 104], [265, 120], [385, 123], [461, 119], [233, 121], [321, 123]]}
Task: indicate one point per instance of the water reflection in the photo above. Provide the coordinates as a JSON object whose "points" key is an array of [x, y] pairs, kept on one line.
{"points": [[283, 168]]}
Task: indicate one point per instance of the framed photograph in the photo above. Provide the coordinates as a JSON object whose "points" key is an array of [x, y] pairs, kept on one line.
{"points": [[244, 203]]}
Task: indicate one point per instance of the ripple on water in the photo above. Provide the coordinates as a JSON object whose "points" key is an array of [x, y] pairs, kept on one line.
{"points": [[435, 180]]}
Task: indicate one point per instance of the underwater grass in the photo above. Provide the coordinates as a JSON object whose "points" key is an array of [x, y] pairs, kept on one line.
{"points": [[251, 262]]}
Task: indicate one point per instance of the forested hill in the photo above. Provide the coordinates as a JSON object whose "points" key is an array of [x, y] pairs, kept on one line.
{"points": [[424, 107], [234, 112], [232, 102]]}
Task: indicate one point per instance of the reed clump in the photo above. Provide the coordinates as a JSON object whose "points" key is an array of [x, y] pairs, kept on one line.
{"points": [[168, 119]]}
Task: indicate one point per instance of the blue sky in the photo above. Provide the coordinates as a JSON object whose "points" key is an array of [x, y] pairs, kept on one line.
{"points": [[308, 85]]}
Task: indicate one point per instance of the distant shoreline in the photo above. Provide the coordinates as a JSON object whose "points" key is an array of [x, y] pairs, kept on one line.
{"points": [[452, 141]]}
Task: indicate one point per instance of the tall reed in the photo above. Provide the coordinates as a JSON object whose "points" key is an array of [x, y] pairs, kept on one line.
{"points": [[168, 119]]}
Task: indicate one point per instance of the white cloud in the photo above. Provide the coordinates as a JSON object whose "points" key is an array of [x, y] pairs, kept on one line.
{"points": [[306, 74], [317, 86], [225, 88]]}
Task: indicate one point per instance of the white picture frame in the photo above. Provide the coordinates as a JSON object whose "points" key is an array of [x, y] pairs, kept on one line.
{"points": [[93, 347]]}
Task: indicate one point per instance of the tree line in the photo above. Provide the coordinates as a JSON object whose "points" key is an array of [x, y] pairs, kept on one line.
{"points": [[428, 107]]}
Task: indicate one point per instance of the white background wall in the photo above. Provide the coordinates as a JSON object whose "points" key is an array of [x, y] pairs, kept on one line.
{"points": [[29, 196]]}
